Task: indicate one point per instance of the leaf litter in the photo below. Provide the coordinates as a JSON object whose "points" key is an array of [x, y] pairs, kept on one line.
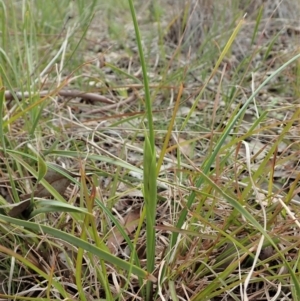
{"points": [[81, 117]]}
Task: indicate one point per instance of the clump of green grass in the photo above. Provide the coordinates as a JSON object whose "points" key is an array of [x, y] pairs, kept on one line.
{"points": [[169, 185]]}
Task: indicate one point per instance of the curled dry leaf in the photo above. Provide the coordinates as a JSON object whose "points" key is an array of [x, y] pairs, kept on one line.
{"points": [[57, 180], [115, 239]]}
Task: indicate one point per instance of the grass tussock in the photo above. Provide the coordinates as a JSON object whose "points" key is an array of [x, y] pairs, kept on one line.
{"points": [[149, 150]]}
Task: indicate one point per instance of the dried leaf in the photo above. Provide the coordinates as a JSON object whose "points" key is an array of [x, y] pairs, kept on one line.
{"points": [[115, 239], [185, 147], [19, 209], [57, 180]]}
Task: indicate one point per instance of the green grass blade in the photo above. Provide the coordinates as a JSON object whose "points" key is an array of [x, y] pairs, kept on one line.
{"points": [[80, 244], [209, 162]]}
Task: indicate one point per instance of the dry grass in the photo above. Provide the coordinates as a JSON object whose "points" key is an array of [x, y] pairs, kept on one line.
{"points": [[82, 236]]}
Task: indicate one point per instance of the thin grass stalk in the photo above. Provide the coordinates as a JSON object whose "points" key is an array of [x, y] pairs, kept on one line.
{"points": [[132, 246], [83, 236], [2, 103], [90, 201], [191, 197], [56, 283], [207, 164], [271, 152], [233, 202], [122, 264], [150, 198], [258, 20], [89, 221], [218, 63], [145, 75], [150, 185], [169, 132]]}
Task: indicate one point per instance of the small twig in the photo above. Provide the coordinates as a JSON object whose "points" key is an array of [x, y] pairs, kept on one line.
{"points": [[64, 93], [113, 106]]}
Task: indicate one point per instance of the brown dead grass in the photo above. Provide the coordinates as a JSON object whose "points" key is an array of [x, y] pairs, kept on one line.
{"points": [[109, 130]]}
